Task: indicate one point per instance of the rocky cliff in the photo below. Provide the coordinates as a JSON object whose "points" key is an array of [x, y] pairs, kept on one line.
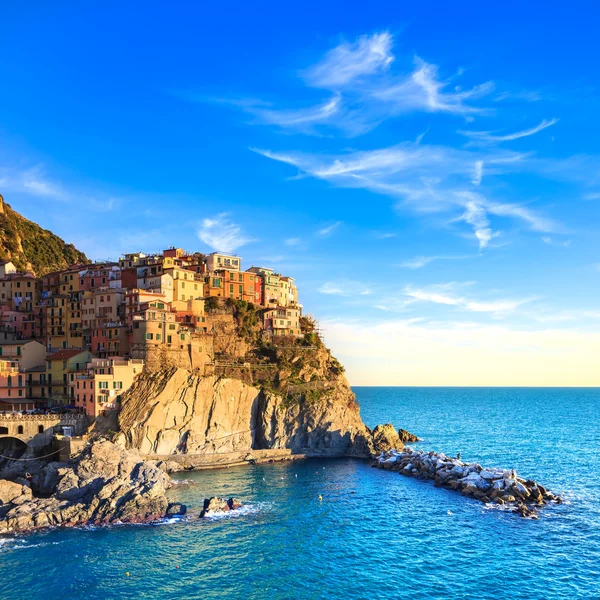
{"points": [[104, 485], [32, 248], [281, 394], [176, 411]]}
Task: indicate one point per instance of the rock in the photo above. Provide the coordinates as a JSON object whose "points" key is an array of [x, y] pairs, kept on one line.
{"points": [[406, 436], [216, 505], [488, 485], [104, 485], [176, 509], [179, 411], [234, 503], [10, 491], [385, 438]]}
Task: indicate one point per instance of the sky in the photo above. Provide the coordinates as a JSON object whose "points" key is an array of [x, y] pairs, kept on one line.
{"points": [[430, 175]]}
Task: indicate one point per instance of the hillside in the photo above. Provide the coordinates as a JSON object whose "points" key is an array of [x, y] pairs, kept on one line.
{"points": [[32, 248]]}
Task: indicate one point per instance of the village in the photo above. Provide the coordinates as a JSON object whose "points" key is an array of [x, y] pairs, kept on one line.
{"points": [[77, 338]]}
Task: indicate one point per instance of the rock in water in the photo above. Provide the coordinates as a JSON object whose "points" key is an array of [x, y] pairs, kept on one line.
{"points": [[104, 485], [385, 438], [407, 436], [499, 485], [176, 509], [216, 505]]}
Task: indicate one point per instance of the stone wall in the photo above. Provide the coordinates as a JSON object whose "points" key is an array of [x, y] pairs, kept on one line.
{"points": [[37, 431]]}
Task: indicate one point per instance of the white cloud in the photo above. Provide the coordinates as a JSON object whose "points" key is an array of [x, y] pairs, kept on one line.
{"points": [[382, 235], [222, 235], [427, 179], [592, 196], [348, 62], [423, 90], [552, 242], [477, 173], [325, 231], [445, 294], [296, 241], [421, 261], [491, 137], [476, 216], [302, 118], [345, 288]]}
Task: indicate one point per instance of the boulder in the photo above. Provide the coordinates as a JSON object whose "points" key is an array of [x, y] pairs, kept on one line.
{"points": [[216, 505], [385, 438], [10, 491], [176, 509], [407, 437]]}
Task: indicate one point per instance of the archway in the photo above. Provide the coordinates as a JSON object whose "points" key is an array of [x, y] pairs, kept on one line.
{"points": [[12, 447]]}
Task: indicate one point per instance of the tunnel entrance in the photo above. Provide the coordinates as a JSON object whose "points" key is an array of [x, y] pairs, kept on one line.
{"points": [[12, 447]]}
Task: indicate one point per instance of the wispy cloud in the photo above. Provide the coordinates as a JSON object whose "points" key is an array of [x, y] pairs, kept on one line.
{"points": [[33, 181], [427, 179], [421, 261], [446, 294], [345, 288], [492, 137], [364, 91], [552, 242], [348, 62], [221, 234], [383, 235], [325, 231]]}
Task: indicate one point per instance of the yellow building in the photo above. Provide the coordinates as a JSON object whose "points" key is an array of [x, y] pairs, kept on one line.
{"points": [[98, 388], [187, 285], [282, 321], [217, 261], [61, 367]]}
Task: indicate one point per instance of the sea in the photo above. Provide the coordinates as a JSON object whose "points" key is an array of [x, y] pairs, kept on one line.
{"points": [[341, 529]]}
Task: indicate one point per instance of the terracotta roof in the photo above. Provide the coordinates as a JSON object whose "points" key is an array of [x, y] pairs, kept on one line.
{"points": [[64, 354]]}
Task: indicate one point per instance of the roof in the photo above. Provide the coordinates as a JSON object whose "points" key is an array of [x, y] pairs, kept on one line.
{"points": [[17, 342], [65, 354]]}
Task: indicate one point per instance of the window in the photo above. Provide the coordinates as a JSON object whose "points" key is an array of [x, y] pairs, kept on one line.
{"points": [[40, 429], [20, 429], [158, 337], [149, 336], [18, 350], [171, 326], [182, 336], [168, 339]]}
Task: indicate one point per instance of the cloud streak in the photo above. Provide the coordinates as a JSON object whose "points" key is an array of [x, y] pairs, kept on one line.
{"points": [[491, 137], [222, 235]]}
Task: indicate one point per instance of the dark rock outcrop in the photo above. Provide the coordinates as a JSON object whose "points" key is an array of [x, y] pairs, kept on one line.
{"points": [[407, 437], [104, 485]]}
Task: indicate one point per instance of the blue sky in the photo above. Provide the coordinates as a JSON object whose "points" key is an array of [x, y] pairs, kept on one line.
{"points": [[430, 175]]}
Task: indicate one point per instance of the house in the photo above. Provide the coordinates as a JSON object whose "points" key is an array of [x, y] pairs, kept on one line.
{"points": [[60, 369], [282, 320], [98, 387], [216, 261]]}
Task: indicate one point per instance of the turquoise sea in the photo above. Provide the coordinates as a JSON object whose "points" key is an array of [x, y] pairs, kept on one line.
{"points": [[375, 534]]}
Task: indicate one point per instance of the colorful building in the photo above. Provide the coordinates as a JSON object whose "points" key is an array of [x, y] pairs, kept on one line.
{"points": [[60, 369], [97, 388], [282, 320]]}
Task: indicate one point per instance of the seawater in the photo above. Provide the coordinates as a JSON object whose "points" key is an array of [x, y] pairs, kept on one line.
{"points": [[375, 534]]}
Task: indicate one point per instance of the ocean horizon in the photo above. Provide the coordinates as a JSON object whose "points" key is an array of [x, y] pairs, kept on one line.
{"points": [[374, 533]]}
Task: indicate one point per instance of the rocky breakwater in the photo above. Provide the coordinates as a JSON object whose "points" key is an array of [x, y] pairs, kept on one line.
{"points": [[104, 485], [500, 486], [216, 506]]}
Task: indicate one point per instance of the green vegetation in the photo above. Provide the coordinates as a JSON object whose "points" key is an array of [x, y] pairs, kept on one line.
{"points": [[31, 248]]}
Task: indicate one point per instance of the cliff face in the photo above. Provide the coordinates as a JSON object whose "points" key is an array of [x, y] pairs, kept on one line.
{"points": [[32, 248], [175, 411]]}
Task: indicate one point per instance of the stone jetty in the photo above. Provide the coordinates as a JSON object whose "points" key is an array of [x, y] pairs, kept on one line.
{"points": [[501, 486]]}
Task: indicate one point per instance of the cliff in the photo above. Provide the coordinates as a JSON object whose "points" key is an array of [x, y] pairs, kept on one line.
{"points": [[32, 248], [270, 394]]}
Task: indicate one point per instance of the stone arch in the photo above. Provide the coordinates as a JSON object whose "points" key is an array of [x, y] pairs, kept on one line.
{"points": [[12, 446]]}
